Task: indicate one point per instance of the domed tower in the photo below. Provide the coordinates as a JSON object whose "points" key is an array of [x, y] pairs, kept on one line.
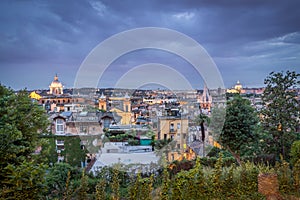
{"points": [[56, 88], [102, 102], [238, 87]]}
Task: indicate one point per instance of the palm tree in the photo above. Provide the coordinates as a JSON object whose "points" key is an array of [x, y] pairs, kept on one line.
{"points": [[200, 120]]}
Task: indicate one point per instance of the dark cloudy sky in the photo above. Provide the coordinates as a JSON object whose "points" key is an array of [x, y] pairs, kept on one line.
{"points": [[247, 39]]}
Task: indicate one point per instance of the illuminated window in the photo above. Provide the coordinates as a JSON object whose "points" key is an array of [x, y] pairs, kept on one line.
{"points": [[59, 126]]}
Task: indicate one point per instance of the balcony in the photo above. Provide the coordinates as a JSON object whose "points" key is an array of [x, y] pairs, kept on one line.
{"points": [[59, 142], [173, 131]]}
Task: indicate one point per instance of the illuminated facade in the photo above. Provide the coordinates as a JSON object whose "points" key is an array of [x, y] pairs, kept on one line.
{"points": [[119, 106], [56, 88], [238, 88], [174, 127]]}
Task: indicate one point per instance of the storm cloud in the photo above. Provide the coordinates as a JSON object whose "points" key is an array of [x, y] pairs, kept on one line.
{"points": [[246, 39]]}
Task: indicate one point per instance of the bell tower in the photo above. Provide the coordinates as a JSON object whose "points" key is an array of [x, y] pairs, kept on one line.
{"points": [[205, 99], [127, 103], [102, 102]]}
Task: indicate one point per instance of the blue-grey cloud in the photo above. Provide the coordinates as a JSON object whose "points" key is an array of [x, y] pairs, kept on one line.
{"points": [[41, 38]]}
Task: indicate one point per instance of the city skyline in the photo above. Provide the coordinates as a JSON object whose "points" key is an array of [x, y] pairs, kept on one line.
{"points": [[247, 40]]}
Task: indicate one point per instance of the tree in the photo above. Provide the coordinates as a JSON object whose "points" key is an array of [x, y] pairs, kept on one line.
{"points": [[238, 133], [57, 178], [115, 186], [200, 120], [83, 188], [100, 190], [280, 115], [165, 187], [21, 124]]}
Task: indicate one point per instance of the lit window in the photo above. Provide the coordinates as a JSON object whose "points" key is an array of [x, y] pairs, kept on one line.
{"points": [[59, 126]]}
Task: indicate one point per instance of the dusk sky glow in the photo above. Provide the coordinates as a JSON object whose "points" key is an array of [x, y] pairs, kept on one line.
{"points": [[246, 39]]}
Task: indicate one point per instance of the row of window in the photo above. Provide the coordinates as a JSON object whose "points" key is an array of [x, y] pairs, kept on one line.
{"points": [[172, 127], [172, 136], [60, 128], [59, 101]]}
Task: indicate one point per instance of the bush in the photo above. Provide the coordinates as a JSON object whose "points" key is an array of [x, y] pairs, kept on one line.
{"points": [[295, 152]]}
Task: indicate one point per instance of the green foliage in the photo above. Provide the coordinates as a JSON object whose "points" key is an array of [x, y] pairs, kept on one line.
{"points": [[134, 186], [214, 152], [295, 152], [218, 182], [133, 142], [284, 176], [159, 144], [238, 131], [165, 185], [281, 111], [217, 178], [67, 193], [23, 181], [266, 169], [177, 186], [52, 152], [100, 190], [229, 180], [21, 123], [145, 189], [58, 179], [115, 186], [141, 188], [73, 154], [296, 177], [83, 189], [248, 184], [199, 186]]}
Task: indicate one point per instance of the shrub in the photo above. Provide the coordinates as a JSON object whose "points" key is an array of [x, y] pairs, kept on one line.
{"points": [[295, 152]]}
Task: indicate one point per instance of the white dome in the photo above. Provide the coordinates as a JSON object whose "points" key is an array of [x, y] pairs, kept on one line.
{"points": [[55, 84], [56, 87]]}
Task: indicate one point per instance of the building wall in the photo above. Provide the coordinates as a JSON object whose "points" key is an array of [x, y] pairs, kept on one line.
{"points": [[177, 129], [76, 128], [126, 117]]}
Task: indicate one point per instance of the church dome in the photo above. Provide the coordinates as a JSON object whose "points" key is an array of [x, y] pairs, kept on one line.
{"points": [[238, 86], [56, 86]]}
